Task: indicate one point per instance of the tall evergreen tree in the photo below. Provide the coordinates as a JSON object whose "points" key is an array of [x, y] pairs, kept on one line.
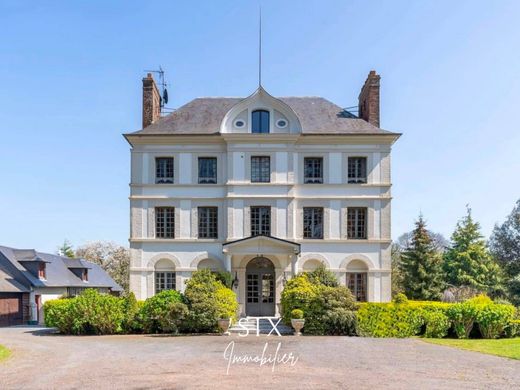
{"points": [[421, 265], [505, 248], [468, 261]]}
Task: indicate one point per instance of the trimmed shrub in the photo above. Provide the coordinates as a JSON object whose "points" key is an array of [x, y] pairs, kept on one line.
{"points": [[512, 329], [316, 300], [299, 293], [494, 319], [437, 324], [208, 301], [58, 314], [389, 320], [463, 316], [96, 313], [227, 304], [297, 314], [161, 313], [400, 298], [341, 322]]}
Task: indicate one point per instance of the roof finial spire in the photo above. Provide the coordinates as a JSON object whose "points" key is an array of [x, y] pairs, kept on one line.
{"points": [[260, 48]]}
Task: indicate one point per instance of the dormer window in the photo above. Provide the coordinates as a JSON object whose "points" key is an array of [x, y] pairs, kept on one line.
{"points": [[84, 275], [260, 121], [41, 271]]}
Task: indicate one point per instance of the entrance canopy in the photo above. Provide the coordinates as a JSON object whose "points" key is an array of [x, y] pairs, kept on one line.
{"points": [[261, 245]]}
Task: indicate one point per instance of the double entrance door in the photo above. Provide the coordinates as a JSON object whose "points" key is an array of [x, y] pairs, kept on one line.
{"points": [[260, 288]]}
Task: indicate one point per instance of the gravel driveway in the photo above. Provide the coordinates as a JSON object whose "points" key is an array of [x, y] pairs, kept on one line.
{"points": [[41, 360]]}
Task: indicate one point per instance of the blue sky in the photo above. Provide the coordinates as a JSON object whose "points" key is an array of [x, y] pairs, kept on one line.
{"points": [[71, 86]]}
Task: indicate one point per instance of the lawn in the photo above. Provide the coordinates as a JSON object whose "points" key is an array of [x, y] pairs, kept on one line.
{"points": [[502, 347], [4, 353]]}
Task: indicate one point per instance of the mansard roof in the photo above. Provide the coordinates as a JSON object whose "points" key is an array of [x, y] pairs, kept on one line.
{"points": [[203, 116]]}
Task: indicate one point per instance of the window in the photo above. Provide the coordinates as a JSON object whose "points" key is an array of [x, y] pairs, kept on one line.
{"points": [[312, 222], [313, 169], [260, 169], [165, 222], [41, 271], [260, 121], [357, 169], [208, 222], [357, 283], [356, 222], [260, 220], [163, 170], [164, 281], [84, 275], [207, 170]]}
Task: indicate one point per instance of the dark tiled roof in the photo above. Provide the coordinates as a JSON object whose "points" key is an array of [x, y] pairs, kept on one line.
{"points": [[317, 116], [57, 271]]}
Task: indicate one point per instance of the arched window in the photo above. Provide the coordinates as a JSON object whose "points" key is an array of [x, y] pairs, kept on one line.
{"points": [[260, 121], [357, 279], [164, 275]]}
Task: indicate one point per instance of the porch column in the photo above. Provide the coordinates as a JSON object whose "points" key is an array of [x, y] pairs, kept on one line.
{"points": [[294, 264], [228, 262], [278, 279], [242, 290]]}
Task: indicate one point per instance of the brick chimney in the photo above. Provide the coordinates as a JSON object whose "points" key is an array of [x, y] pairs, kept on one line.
{"points": [[151, 101], [369, 99]]}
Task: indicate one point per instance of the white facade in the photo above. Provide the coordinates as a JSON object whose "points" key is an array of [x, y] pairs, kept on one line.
{"points": [[287, 194]]}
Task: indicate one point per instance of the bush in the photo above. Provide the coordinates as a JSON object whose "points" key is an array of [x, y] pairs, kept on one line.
{"points": [[225, 277], [400, 298], [162, 313], [315, 300], [96, 313], [341, 322], [493, 319], [208, 301], [463, 316], [131, 308], [512, 329], [299, 293], [297, 314], [88, 313], [437, 324], [58, 314], [227, 304], [323, 276], [389, 320]]}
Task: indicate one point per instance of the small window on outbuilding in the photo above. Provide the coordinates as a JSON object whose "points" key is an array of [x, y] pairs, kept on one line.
{"points": [[84, 275], [42, 271]]}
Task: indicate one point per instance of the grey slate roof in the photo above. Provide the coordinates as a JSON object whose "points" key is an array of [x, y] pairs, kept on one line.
{"points": [[58, 272], [316, 114]]}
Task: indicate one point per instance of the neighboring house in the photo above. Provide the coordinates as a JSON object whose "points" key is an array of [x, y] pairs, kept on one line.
{"points": [[262, 187], [28, 279]]}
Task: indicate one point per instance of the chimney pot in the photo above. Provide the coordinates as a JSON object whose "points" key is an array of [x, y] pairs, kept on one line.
{"points": [[369, 99]]}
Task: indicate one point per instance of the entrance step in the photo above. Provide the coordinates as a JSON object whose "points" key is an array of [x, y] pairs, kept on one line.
{"points": [[263, 324]]}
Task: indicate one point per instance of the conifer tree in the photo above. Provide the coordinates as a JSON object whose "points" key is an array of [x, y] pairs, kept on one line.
{"points": [[421, 265], [468, 261]]}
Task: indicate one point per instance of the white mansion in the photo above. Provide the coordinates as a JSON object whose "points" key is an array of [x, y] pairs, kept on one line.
{"points": [[264, 188]]}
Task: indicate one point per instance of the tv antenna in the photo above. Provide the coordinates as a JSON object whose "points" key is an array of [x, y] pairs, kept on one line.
{"points": [[162, 84]]}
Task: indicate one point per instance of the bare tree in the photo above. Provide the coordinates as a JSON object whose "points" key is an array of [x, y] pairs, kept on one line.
{"points": [[113, 258]]}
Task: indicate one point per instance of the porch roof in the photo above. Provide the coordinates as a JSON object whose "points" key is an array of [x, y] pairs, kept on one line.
{"points": [[260, 241]]}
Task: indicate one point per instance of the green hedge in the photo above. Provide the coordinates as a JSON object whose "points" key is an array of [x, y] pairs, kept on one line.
{"points": [[479, 315], [89, 313], [206, 300]]}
